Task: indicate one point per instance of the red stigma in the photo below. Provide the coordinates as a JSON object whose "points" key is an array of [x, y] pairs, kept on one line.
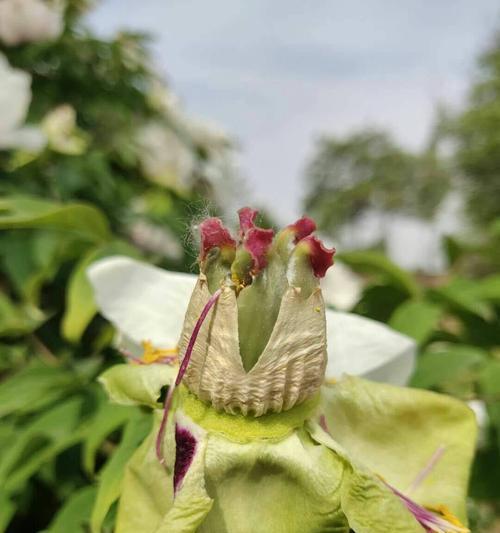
{"points": [[257, 242], [247, 217], [302, 228], [320, 256], [214, 233]]}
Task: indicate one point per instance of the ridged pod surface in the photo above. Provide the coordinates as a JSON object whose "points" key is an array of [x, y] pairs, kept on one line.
{"points": [[289, 370]]}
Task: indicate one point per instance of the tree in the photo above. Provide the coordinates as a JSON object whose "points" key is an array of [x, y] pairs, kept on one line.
{"points": [[477, 131], [103, 126], [369, 171]]}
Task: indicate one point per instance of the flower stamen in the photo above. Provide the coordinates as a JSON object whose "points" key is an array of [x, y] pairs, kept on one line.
{"points": [[433, 519], [150, 355], [158, 355]]}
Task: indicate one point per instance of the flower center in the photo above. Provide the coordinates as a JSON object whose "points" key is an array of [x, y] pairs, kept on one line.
{"points": [[260, 268]]}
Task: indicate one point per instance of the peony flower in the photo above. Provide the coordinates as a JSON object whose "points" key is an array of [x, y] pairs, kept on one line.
{"points": [[213, 145], [163, 157], [62, 132], [26, 21], [252, 437], [155, 239], [15, 98]]}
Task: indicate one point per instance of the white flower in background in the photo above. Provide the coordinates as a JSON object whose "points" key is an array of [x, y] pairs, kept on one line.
{"points": [[482, 420], [341, 287], [156, 239], [202, 133], [25, 21], [15, 98], [207, 135], [146, 303], [218, 166], [62, 132], [164, 158]]}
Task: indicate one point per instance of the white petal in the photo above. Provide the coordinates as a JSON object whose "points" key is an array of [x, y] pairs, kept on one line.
{"points": [[142, 301], [364, 347], [482, 419], [29, 138], [15, 96], [341, 287]]}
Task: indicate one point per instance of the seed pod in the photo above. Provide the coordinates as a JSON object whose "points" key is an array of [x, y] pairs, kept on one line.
{"points": [[290, 369]]}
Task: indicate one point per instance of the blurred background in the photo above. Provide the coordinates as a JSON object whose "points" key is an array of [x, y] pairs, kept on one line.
{"points": [[123, 123]]}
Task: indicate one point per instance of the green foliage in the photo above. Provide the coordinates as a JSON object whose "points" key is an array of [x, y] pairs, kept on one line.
{"points": [[478, 136], [416, 318], [369, 171], [83, 221], [378, 265], [455, 319], [93, 188], [111, 475]]}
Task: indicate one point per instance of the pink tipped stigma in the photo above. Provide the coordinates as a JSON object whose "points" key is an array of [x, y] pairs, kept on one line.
{"points": [[214, 233], [320, 256], [247, 217], [182, 370], [302, 228], [257, 242]]}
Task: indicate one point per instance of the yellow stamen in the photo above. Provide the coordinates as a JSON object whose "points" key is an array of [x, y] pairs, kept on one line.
{"points": [[152, 354], [443, 511]]}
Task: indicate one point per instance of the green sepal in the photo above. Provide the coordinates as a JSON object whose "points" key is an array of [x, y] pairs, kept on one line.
{"points": [[290, 486], [147, 488], [131, 384], [369, 505], [394, 432]]}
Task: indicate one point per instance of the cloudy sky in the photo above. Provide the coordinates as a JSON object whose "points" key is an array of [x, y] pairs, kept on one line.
{"points": [[278, 73]]}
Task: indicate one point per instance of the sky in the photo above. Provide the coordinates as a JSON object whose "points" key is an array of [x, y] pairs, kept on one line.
{"points": [[277, 74]]}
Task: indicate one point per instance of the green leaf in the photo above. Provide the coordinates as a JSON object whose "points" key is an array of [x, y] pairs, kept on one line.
{"points": [[371, 262], [74, 515], [16, 320], [108, 418], [463, 295], [80, 303], [489, 288], [40, 441], [379, 302], [34, 387], [83, 220], [7, 511], [129, 384], [453, 248], [489, 382], [447, 363], [30, 258], [111, 476], [13, 355], [416, 318]]}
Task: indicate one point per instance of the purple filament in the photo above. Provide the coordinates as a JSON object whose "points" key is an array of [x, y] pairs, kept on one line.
{"points": [[182, 370], [427, 519]]}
